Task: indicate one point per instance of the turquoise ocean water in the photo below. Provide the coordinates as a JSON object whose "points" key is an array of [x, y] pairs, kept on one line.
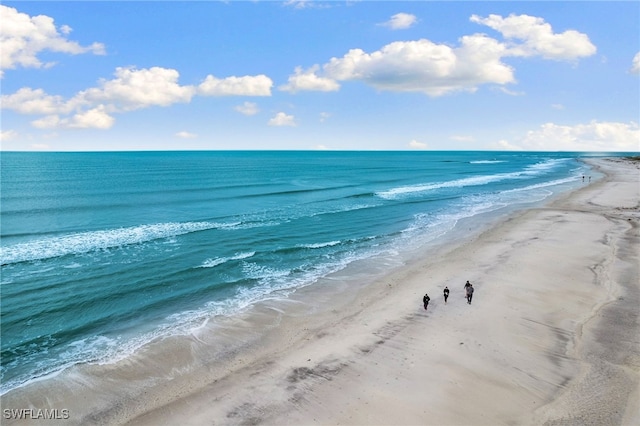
{"points": [[103, 252]]}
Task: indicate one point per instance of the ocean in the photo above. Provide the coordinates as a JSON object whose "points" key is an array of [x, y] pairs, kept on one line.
{"points": [[105, 252]]}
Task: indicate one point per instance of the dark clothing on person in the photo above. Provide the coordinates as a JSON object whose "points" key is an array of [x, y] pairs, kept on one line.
{"points": [[425, 301], [469, 293], [466, 290], [446, 294]]}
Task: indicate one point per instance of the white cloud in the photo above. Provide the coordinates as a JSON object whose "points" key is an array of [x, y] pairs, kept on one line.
{"points": [[138, 88], [557, 106], [423, 66], [30, 101], [635, 64], [48, 122], [95, 118], [7, 135], [538, 38], [248, 108], [259, 85], [282, 119], [308, 80], [510, 92], [400, 21], [593, 136], [414, 144], [439, 69], [308, 4], [506, 146], [186, 135], [131, 89], [25, 37]]}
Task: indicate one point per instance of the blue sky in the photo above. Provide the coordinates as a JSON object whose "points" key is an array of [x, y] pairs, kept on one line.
{"points": [[357, 75]]}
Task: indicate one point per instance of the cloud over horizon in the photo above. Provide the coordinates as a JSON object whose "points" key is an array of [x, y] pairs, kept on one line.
{"points": [[437, 69], [130, 90], [592, 136], [282, 119]]}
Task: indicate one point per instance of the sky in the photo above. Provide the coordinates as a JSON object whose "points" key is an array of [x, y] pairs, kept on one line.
{"points": [[320, 75]]}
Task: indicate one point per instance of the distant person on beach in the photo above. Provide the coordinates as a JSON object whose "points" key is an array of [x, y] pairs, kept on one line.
{"points": [[469, 293], [425, 300], [466, 287], [446, 294]]}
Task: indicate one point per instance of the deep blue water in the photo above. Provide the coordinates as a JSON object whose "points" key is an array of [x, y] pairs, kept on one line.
{"points": [[102, 252]]}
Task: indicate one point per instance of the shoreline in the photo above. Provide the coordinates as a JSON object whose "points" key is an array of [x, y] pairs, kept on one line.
{"points": [[524, 352], [378, 355]]}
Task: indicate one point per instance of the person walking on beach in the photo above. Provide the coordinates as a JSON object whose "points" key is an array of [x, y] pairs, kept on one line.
{"points": [[446, 294], [466, 288], [469, 293], [425, 301]]}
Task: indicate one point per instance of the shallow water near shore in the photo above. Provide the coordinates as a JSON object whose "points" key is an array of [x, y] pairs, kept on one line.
{"points": [[104, 253]]}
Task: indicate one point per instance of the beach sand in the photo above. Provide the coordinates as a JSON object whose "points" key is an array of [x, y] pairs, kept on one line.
{"points": [[552, 336]]}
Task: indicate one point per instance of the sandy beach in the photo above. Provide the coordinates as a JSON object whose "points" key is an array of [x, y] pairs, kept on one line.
{"points": [[552, 336]]}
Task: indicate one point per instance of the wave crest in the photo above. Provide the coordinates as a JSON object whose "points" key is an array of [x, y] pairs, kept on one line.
{"points": [[211, 263], [532, 170], [84, 242]]}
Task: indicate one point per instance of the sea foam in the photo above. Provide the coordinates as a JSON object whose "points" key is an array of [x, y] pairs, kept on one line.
{"points": [[84, 242]]}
